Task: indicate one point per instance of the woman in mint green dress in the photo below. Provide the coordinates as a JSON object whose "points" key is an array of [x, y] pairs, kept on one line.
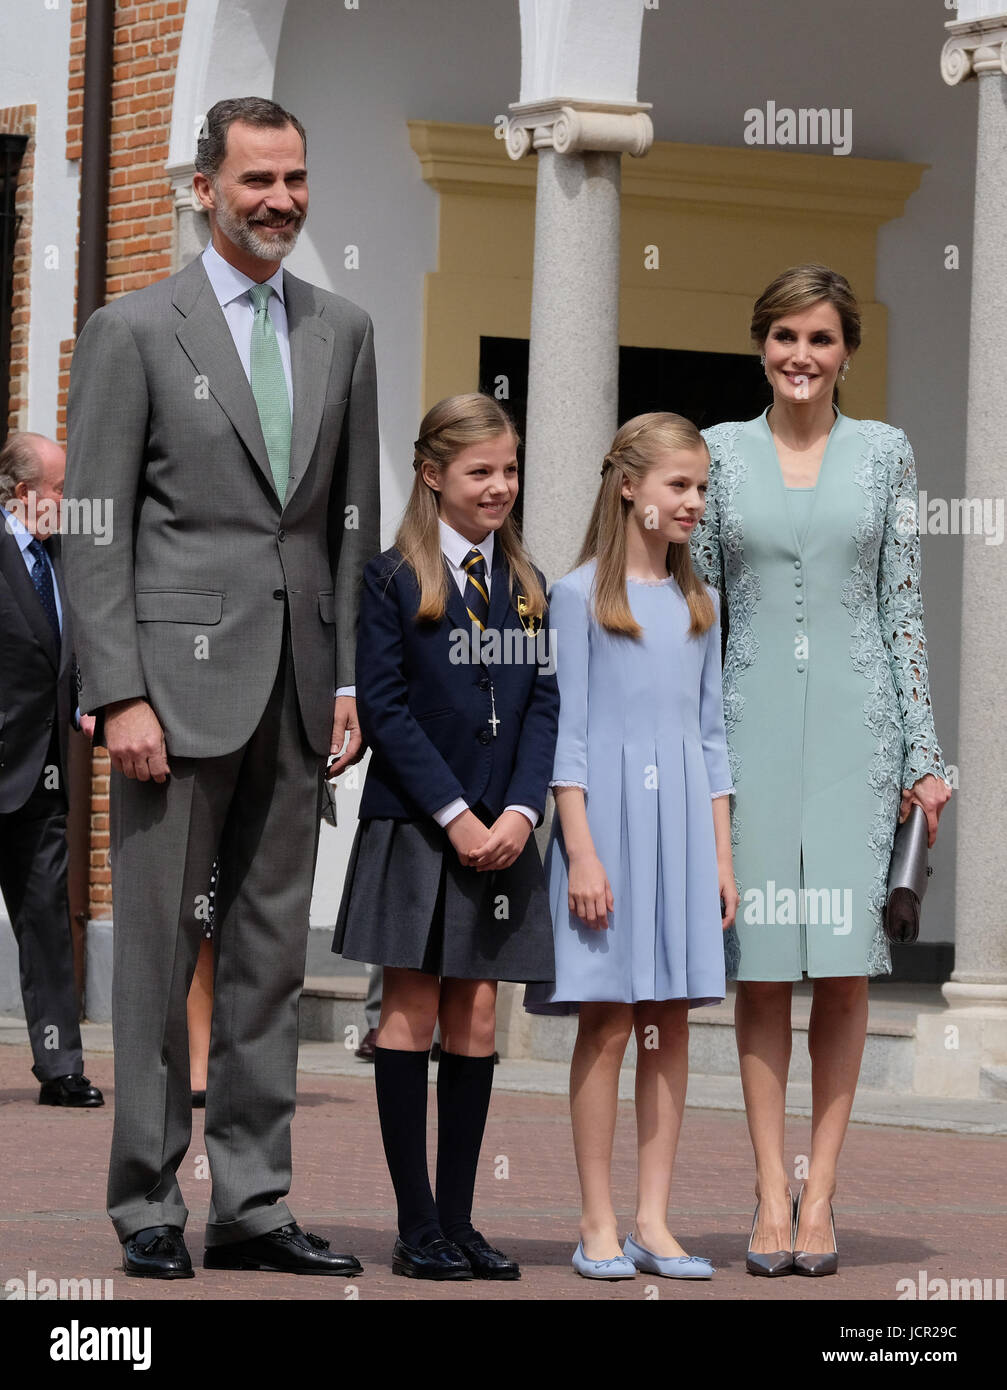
{"points": [[810, 533]]}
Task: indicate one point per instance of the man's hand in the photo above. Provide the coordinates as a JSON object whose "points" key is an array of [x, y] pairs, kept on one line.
{"points": [[87, 723], [344, 721], [135, 741]]}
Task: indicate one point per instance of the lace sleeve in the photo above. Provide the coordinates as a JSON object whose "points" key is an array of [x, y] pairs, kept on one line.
{"points": [[706, 537], [900, 611]]}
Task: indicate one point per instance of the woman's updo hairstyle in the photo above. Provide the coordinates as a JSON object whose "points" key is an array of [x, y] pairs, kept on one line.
{"points": [[799, 288]]}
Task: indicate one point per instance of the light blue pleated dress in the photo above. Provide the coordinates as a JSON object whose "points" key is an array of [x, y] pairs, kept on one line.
{"points": [[641, 728]]}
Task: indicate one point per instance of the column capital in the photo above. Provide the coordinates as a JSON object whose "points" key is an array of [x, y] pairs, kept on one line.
{"points": [[180, 178], [571, 126], [974, 48]]}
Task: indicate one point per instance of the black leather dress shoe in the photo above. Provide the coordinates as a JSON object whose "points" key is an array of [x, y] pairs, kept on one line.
{"points": [[75, 1091], [157, 1252], [440, 1259], [487, 1262], [287, 1250], [365, 1052]]}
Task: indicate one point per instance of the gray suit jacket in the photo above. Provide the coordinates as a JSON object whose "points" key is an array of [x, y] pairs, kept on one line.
{"points": [[185, 605]]}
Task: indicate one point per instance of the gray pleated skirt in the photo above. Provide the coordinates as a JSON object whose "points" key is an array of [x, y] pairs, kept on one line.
{"points": [[408, 902]]}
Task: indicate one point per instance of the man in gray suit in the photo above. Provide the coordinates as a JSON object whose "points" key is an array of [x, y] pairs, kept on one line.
{"points": [[229, 413]]}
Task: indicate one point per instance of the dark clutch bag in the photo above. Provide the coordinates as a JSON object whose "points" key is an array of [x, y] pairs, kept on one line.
{"points": [[907, 877], [328, 800]]}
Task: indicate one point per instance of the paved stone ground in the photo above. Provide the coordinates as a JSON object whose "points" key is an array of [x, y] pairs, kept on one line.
{"points": [[911, 1201]]}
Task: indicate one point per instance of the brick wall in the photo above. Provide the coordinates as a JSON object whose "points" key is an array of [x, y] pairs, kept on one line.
{"points": [[20, 120], [140, 233]]}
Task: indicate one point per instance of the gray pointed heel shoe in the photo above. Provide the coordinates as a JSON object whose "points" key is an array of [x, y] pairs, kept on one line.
{"points": [[771, 1263], [822, 1261]]}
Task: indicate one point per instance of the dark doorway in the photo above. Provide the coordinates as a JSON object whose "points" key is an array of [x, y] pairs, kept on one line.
{"points": [[12, 148], [705, 387]]}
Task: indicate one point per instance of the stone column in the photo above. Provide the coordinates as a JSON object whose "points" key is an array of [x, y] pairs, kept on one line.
{"points": [[963, 1051], [573, 363], [578, 110], [192, 226]]}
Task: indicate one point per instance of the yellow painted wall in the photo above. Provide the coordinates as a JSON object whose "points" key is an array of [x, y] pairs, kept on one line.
{"points": [[724, 222]]}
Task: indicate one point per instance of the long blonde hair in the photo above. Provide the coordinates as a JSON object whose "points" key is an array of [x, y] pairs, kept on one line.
{"points": [[447, 428], [637, 447]]}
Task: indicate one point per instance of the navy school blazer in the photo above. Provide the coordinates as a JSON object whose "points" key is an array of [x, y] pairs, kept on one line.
{"points": [[426, 716]]}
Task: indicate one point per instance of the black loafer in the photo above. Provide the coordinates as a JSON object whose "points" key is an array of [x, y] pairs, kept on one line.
{"points": [[487, 1262], [157, 1252], [440, 1259], [287, 1250], [75, 1091], [365, 1052]]}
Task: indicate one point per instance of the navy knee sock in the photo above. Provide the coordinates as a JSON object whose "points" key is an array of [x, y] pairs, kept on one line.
{"points": [[464, 1085], [400, 1080]]}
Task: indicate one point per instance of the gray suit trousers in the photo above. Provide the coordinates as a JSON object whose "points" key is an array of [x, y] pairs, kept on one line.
{"points": [[260, 807]]}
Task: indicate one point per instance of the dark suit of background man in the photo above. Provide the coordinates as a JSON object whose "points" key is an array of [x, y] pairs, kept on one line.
{"points": [[235, 431], [37, 700]]}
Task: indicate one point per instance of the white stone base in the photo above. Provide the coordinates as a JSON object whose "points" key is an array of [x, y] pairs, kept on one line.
{"points": [[954, 1048]]}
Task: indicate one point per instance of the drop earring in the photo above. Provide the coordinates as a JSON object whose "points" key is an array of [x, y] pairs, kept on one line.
{"points": [[845, 370]]}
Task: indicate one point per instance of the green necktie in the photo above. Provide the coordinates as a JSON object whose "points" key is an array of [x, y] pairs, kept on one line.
{"points": [[269, 387]]}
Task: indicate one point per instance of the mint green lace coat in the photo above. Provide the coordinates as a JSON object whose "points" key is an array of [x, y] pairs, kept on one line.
{"points": [[826, 691]]}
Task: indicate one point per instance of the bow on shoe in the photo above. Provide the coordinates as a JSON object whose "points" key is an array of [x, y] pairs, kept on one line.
{"points": [[160, 1245], [293, 1233]]}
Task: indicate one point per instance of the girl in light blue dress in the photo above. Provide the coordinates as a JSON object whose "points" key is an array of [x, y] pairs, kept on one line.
{"points": [[639, 866]]}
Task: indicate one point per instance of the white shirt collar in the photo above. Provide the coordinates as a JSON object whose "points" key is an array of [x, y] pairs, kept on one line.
{"points": [[456, 547], [19, 531], [229, 283]]}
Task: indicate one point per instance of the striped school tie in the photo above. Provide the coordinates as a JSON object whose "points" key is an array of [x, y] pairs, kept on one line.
{"points": [[476, 595]]}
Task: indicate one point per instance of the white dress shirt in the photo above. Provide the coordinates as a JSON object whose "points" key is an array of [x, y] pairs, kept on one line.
{"points": [[231, 286], [454, 548]]}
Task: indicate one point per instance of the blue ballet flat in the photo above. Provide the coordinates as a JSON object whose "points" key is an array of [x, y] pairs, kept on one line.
{"points": [[671, 1266], [618, 1268]]}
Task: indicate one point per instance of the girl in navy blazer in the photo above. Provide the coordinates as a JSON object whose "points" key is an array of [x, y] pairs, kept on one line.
{"points": [[458, 701]]}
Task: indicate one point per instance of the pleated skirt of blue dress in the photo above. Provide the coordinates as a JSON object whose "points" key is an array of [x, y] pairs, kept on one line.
{"points": [[651, 820]]}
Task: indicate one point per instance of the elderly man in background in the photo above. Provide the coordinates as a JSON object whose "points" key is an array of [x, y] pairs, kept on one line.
{"points": [[37, 699]]}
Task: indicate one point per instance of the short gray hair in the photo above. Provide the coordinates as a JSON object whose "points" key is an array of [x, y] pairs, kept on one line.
{"points": [[19, 462], [211, 143]]}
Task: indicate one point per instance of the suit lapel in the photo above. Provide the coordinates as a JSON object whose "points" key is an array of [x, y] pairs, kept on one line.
{"points": [[500, 600], [311, 344], [206, 339], [456, 603], [16, 573]]}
